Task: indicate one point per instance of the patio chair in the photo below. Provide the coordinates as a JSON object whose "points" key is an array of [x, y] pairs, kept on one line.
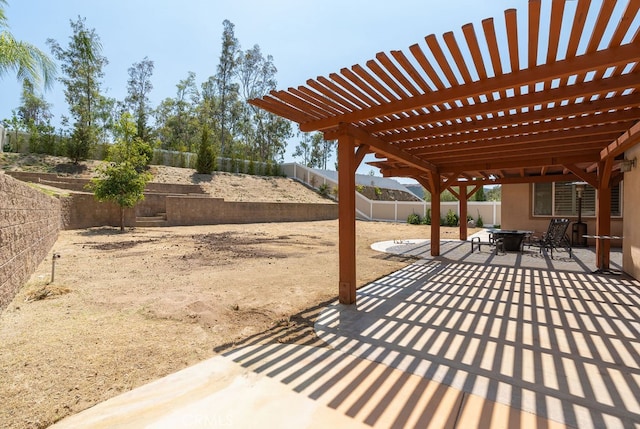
{"points": [[497, 244], [555, 238]]}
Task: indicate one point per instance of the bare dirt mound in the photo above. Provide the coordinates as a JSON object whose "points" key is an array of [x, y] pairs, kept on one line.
{"points": [[230, 187]]}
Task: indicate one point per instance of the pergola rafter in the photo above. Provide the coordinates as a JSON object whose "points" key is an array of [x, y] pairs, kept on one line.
{"points": [[487, 110]]}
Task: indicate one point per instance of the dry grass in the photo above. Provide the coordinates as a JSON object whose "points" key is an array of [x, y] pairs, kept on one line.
{"points": [[44, 291], [152, 301]]}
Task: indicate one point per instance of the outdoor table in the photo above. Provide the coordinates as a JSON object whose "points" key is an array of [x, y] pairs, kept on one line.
{"points": [[602, 269], [511, 238]]}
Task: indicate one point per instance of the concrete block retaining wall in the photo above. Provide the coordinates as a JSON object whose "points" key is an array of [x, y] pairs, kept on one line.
{"points": [[83, 211], [29, 226], [205, 211], [79, 184], [182, 204]]}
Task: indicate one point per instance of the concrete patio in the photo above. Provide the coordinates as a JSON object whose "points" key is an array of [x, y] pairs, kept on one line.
{"points": [[465, 340]]}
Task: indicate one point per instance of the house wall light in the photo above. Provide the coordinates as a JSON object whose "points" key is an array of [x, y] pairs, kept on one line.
{"points": [[628, 165]]}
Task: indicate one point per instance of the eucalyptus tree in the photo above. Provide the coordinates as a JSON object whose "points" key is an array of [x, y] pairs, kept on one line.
{"points": [[82, 67], [107, 114], [275, 131], [177, 119], [24, 59], [264, 132], [34, 110], [137, 101], [16, 126], [227, 106], [325, 149], [36, 115], [304, 150], [256, 77]]}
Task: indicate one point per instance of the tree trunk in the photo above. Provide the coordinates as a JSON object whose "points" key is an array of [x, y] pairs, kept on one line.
{"points": [[122, 219]]}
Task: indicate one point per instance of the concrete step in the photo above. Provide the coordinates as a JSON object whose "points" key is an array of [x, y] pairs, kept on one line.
{"points": [[152, 221]]}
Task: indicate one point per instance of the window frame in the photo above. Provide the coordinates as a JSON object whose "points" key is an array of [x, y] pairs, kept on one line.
{"points": [[617, 214]]}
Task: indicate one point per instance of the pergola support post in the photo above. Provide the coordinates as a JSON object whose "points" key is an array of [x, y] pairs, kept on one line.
{"points": [[435, 213], [603, 227], [463, 212], [433, 186], [347, 219], [603, 220]]}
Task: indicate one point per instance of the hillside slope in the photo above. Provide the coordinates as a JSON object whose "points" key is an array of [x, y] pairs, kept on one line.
{"points": [[231, 187]]}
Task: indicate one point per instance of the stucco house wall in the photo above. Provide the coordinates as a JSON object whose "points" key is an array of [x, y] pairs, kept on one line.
{"points": [[517, 212]]}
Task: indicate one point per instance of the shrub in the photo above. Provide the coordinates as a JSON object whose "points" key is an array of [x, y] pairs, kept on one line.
{"points": [[323, 189], [360, 188], [452, 218], [204, 161], [378, 191], [479, 222], [427, 219], [414, 219]]}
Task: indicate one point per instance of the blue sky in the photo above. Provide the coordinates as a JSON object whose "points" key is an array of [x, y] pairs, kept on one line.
{"points": [[306, 38]]}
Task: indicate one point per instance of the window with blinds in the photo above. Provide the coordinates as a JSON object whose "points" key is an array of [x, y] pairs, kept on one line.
{"points": [[560, 199]]}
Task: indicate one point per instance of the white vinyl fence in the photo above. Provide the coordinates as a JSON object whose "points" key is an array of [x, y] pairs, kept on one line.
{"points": [[395, 211]]}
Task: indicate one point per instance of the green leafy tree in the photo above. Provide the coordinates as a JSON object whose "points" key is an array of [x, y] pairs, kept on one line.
{"points": [[129, 147], [24, 59], [480, 195], [446, 195], [304, 149], [177, 118], [226, 111], [314, 150], [205, 161], [82, 67], [35, 114], [16, 126], [34, 111], [123, 180], [121, 184], [209, 105], [137, 101], [494, 193], [256, 75], [275, 131], [323, 148], [107, 115]]}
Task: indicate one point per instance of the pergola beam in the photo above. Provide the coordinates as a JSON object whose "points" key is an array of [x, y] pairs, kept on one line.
{"points": [[584, 141], [478, 131], [591, 179], [385, 149], [614, 56], [526, 101], [622, 143], [496, 116]]}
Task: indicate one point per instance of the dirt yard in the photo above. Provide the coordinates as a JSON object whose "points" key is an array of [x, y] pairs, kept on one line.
{"points": [[135, 306]]}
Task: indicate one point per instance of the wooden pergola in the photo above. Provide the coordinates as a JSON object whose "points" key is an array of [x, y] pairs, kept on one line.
{"points": [[472, 110]]}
